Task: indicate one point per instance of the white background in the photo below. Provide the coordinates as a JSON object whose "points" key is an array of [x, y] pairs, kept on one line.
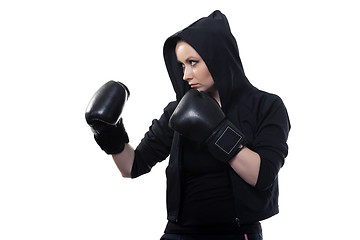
{"points": [[56, 183]]}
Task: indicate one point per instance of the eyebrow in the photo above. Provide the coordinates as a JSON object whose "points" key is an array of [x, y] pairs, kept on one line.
{"points": [[190, 59]]}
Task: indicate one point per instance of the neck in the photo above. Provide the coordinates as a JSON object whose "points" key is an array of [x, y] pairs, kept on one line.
{"points": [[216, 96]]}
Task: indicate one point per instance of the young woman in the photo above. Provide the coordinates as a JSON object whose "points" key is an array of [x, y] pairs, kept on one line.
{"points": [[226, 139]]}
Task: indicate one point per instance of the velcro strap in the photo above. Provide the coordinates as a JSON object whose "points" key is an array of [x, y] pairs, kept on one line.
{"points": [[228, 140]]}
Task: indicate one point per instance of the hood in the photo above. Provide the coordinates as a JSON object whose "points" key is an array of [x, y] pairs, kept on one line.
{"points": [[211, 37]]}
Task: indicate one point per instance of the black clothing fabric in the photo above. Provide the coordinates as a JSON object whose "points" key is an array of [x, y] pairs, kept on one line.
{"points": [[207, 204], [207, 195], [261, 116], [253, 236]]}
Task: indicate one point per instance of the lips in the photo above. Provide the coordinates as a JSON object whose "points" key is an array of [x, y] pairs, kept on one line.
{"points": [[193, 85]]}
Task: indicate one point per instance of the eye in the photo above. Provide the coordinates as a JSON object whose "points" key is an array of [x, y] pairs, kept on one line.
{"points": [[181, 65], [193, 62]]}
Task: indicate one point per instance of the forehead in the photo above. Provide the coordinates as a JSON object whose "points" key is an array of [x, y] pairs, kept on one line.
{"points": [[183, 50]]}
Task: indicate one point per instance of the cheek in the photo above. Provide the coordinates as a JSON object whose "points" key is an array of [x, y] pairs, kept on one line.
{"points": [[208, 79], [204, 76]]}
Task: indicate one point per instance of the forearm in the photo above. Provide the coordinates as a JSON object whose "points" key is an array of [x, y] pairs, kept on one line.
{"points": [[247, 165], [124, 160]]}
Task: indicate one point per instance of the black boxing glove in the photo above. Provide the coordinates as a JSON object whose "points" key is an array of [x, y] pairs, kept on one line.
{"points": [[103, 114], [199, 117]]}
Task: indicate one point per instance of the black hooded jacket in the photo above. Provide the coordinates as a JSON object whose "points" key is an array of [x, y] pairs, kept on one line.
{"points": [[261, 116]]}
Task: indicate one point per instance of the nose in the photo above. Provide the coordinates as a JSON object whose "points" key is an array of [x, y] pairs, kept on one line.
{"points": [[187, 74]]}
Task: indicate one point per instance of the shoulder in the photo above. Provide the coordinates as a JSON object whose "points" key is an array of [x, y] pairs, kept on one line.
{"points": [[264, 101], [257, 101], [167, 112], [258, 106], [265, 97], [170, 107]]}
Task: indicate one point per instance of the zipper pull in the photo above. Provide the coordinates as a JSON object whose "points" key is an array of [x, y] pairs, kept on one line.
{"points": [[238, 221]]}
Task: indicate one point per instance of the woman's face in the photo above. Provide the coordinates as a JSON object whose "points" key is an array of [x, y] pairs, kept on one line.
{"points": [[195, 70]]}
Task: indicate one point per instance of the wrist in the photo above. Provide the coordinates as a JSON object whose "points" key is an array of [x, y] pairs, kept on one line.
{"points": [[113, 139]]}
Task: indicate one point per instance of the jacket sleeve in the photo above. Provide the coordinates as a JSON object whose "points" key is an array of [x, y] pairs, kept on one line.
{"points": [[270, 140], [156, 144]]}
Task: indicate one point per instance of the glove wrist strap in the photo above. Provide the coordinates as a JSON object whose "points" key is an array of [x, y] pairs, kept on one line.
{"points": [[226, 141]]}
